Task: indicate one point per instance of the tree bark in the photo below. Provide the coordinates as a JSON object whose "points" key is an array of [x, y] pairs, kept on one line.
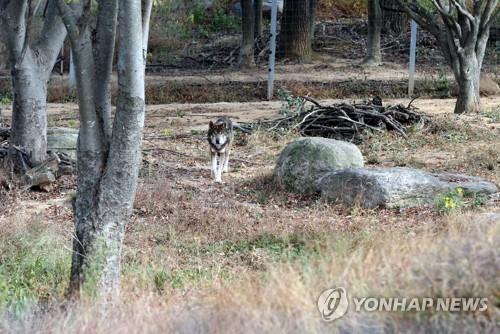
{"points": [[394, 19], [246, 58], [467, 77], [296, 34], [31, 62], [374, 55], [258, 27], [313, 5], [29, 114], [107, 169], [105, 42]]}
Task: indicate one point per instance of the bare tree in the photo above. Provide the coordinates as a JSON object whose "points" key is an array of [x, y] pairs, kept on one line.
{"points": [[374, 56], [108, 159], [297, 25], [31, 60], [246, 58], [462, 31]]}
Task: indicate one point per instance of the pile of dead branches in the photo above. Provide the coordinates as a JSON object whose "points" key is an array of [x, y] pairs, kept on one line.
{"points": [[342, 121]]}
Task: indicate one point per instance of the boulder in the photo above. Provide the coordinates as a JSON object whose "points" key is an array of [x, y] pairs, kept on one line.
{"points": [[395, 187], [488, 86], [62, 140], [305, 160]]}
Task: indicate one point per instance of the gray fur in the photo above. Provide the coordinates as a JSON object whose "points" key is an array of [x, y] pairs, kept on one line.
{"points": [[220, 138]]}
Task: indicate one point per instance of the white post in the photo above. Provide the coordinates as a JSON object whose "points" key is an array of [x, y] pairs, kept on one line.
{"points": [[71, 75], [272, 48], [413, 51]]}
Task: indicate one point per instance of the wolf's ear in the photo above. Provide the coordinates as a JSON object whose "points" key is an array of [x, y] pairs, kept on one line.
{"points": [[210, 125]]}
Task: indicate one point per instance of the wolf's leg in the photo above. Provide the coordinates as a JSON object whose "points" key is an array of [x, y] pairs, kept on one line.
{"points": [[226, 160], [218, 176], [213, 160]]}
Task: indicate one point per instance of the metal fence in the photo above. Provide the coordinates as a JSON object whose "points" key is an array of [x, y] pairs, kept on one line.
{"points": [[195, 47]]}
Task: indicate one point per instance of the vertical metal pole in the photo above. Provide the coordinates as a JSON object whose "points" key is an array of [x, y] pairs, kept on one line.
{"points": [[413, 51], [272, 47]]}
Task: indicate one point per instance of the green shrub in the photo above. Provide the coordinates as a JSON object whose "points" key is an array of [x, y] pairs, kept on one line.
{"points": [[291, 103], [34, 266], [5, 99], [216, 20]]}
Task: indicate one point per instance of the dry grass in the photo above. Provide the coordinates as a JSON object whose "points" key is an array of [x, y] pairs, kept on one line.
{"points": [[456, 258], [247, 257], [464, 144]]}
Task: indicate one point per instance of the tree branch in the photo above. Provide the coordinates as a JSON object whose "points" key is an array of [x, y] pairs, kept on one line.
{"points": [[490, 13], [448, 18], [421, 16], [14, 16], [147, 6], [463, 11], [68, 18], [107, 16], [27, 35], [37, 7]]}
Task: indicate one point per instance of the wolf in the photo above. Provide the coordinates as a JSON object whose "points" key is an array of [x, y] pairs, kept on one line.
{"points": [[220, 138]]}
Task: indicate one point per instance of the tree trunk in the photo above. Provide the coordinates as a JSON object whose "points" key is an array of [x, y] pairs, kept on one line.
{"points": [[374, 56], [106, 32], [89, 246], [107, 170], [258, 19], [295, 39], [394, 18], [467, 78], [246, 59], [29, 115], [31, 62]]}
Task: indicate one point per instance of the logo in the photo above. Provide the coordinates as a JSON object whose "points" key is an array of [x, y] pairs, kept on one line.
{"points": [[333, 304]]}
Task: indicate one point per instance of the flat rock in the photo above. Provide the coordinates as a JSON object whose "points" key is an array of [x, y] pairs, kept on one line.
{"points": [[62, 140], [305, 160], [395, 187]]}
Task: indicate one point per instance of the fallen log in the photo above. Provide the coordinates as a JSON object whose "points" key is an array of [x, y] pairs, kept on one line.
{"points": [[44, 175]]}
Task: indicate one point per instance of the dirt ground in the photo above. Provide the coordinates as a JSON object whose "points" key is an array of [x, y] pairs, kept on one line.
{"points": [[175, 148]]}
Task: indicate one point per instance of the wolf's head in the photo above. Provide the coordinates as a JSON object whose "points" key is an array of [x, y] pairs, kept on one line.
{"points": [[218, 134]]}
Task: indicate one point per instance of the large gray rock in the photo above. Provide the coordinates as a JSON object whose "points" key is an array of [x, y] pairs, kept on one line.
{"points": [[62, 140], [305, 160], [395, 187]]}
